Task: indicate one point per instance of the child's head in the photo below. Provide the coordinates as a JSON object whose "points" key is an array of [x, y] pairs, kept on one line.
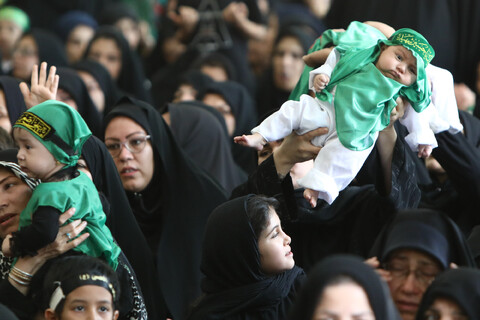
{"points": [[81, 287], [404, 56], [13, 22], [50, 137]]}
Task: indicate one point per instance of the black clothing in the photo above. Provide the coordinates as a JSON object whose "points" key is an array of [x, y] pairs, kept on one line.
{"points": [[461, 286], [121, 222], [202, 138], [327, 270], [13, 97], [234, 286], [175, 206], [71, 82], [50, 48]]}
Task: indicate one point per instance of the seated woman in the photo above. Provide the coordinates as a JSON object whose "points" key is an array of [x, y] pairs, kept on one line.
{"points": [[248, 265], [453, 295], [343, 287]]}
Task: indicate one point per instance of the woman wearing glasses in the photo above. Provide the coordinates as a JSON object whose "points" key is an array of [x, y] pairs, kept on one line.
{"points": [[413, 249], [170, 197]]}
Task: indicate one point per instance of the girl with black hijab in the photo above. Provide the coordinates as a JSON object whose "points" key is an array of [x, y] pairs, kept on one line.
{"points": [[71, 87], [170, 196], [129, 74], [240, 281], [339, 270], [457, 288]]}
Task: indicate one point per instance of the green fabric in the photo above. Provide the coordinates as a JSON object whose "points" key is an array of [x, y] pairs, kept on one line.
{"points": [[56, 118], [16, 15], [79, 193]]}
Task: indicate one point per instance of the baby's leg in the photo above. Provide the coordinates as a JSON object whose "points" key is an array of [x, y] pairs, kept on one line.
{"points": [[251, 140]]}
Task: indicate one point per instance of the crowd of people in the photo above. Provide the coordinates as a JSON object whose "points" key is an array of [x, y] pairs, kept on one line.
{"points": [[220, 159]]}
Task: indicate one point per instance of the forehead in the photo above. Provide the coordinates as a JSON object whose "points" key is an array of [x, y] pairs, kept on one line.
{"points": [[122, 125], [22, 134], [4, 173], [412, 255]]}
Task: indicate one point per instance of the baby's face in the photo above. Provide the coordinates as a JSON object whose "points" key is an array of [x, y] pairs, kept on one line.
{"points": [[398, 63]]}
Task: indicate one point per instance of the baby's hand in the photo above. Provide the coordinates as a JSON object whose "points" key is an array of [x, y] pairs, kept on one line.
{"points": [[255, 141], [6, 246], [320, 81], [424, 150]]}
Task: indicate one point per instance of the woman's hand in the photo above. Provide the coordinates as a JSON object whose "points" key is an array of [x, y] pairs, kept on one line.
{"points": [[374, 263], [42, 88]]}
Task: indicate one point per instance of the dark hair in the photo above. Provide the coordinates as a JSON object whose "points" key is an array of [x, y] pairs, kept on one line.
{"points": [[66, 270], [258, 211], [217, 59]]}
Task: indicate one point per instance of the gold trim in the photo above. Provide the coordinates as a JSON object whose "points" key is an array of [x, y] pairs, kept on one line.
{"points": [[413, 42], [34, 123]]}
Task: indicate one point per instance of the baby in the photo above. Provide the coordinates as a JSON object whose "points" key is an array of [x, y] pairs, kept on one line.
{"points": [[356, 93]]}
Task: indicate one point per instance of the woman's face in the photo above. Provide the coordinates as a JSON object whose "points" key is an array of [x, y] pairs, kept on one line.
{"points": [[14, 196], [77, 42], [94, 90], [10, 32], [276, 255], [287, 63], [106, 52], [135, 169], [217, 101], [25, 56], [66, 97], [344, 301], [445, 309], [4, 116]]}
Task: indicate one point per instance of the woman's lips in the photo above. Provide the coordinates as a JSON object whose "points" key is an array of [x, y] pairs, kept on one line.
{"points": [[6, 219], [407, 306], [127, 172]]}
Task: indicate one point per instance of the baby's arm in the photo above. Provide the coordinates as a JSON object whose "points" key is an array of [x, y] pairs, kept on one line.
{"points": [[42, 231], [320, 81], [254, 140], [320, 77]]}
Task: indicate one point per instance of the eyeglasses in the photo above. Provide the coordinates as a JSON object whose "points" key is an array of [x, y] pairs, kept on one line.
{"points": [[401, 270], [24, 52], [133, 144]]}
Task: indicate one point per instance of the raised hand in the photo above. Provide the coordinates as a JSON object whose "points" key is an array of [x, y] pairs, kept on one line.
{"points": [[42, 87]]}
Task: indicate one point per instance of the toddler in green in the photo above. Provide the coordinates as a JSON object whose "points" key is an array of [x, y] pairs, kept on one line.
{"points": [[50, 137]]}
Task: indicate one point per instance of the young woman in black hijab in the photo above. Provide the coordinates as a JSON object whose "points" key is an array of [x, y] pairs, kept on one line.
{"points": [[340, 270], [458, 290], [240, 282], [170, 196], [192, 127], [100, 75], [14, 103], [71, 87], [129, 75], [121, 222]]}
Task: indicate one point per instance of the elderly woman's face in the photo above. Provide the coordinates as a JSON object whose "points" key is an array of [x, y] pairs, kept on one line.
{"points": [[14, 196], [135, 169]]}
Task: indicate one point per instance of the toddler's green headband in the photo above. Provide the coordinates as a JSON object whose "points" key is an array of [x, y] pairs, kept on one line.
{"points": [[414, 41], [15, 14]]}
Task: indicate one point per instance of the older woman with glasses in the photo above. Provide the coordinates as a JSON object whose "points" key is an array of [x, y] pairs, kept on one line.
{"points": [[170, 196], [413, 249]]}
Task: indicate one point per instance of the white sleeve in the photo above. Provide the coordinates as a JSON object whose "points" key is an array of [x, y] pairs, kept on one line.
{"points": [[418, 126], [326, 68]]}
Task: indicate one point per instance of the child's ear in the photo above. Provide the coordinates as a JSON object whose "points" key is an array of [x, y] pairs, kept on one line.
{"points": [[115, 315], [50, 314]]}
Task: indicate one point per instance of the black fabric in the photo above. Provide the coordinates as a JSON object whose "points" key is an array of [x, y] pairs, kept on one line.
{"points": [[244, 111], [461, 286], [6, 313], [42, 231], [175, 204], [22, 306], [350, 225], [234, 286], [202, 138], [50, 48], [98, 71], [436, 234], [13, 97], [123, 225], [344, 265], [131, 79], [71, 82]]}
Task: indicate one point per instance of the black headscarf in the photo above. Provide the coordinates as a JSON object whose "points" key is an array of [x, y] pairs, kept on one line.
{"points": [[459, 285], [13, 97], [244, 111], [174, 207], [202, 137], [234, 286], [428, 231], [71, 82], [50, 48], [352, 266], [98, 71], [122, 223], [131, 78]]}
